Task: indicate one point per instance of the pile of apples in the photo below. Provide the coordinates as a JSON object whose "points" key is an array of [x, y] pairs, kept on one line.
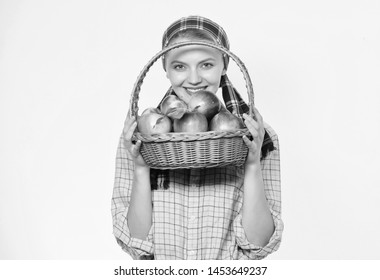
{"points": [[204, 112]]}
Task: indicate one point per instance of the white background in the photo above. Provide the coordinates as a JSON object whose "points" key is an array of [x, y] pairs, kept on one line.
{"points": [[67, 69]]}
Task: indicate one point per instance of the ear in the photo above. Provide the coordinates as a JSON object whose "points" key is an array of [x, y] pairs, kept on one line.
{"points": [[224, 71]]}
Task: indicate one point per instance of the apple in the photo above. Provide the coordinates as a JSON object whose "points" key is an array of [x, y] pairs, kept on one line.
{"points": [[152, 121], [151, 110], [225, 121], [205, 102], [191, 122], [173, 107]]}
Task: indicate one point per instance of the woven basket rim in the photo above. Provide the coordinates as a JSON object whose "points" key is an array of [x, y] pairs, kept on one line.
{"points": [[181, 136]]}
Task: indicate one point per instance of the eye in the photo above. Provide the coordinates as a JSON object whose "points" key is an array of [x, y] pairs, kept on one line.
{"points": [[207, 65], [178, 67]]}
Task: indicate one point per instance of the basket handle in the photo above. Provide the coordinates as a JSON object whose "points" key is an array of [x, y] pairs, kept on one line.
{"points": [[133, 103]]}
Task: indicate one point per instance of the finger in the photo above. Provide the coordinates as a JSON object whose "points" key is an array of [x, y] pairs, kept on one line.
{"points": [[138, 145], [135, 150], [258, 116], [127, 123], [250, 144], [128, 136], [246, 140], [249, 121], [131, 130], [252, 125]]}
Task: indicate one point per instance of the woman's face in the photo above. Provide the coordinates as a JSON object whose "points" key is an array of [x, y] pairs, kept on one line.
{"points": [[194, 68]]}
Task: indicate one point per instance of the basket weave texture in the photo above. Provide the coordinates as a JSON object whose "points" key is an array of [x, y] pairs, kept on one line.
{"points": [[192, 150]]}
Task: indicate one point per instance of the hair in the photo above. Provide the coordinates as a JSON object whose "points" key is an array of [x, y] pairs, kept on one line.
{"points": [[196, 35]]}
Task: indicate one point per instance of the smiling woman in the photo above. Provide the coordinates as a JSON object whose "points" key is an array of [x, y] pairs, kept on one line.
{"points": [[229, 212], [194, 68]]}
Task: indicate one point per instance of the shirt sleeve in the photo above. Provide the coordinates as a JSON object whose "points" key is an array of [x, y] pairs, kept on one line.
{"points": [[137, 248], [272, 185]]}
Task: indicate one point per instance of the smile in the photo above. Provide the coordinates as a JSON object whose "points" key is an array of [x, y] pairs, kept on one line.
{"points": [[194, 90]]}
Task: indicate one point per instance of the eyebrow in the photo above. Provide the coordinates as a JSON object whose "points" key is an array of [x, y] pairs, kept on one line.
{"points": [[202, 61]]}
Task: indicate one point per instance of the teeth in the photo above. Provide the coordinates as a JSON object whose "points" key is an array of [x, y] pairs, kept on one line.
{"points": [[194, 89]]}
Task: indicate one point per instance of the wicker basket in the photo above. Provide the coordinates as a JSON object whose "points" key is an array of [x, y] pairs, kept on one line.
{"points": [[192, 150]]}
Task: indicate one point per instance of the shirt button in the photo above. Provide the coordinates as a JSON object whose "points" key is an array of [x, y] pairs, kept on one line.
{"points": [[192, 252], [192, 218]]}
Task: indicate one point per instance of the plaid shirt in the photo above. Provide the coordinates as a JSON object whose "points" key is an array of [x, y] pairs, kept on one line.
{"points": [[199, 215]]}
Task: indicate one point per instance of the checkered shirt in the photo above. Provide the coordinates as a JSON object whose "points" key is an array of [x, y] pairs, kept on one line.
{"points": [[199, 215]]}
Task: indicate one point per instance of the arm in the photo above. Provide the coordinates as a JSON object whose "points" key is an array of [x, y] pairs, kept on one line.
{"points": [[270, 170], [256, 216], [124, 188], [140, 207], [257, 219]]}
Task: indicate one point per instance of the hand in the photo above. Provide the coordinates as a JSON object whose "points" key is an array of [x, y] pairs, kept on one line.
{"points": [[133, 149], [256, 128]]}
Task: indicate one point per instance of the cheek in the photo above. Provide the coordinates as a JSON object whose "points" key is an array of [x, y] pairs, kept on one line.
{"points": [[214, 78], [175, 78]]}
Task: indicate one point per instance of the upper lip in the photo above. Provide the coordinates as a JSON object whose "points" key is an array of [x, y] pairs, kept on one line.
{"points": [[195, 88]]}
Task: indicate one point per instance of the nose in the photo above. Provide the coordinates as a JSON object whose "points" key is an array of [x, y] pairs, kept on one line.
{"points": [[194, 77]]}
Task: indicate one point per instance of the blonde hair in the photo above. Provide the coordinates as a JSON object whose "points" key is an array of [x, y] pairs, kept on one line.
{"points": [[196, 35]]}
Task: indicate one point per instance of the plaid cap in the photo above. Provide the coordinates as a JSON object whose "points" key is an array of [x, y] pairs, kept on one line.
{"points": [[196, 23]]}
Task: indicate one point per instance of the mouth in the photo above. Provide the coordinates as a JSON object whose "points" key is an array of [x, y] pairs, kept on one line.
{"points": [[194, 90]]}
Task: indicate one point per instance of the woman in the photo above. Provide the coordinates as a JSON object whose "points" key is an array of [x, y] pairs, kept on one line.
{"points": [[212, 213]]}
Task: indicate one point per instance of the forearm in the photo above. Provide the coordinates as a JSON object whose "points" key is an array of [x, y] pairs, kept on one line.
{"points": [[140, 207], [256, 217]]}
